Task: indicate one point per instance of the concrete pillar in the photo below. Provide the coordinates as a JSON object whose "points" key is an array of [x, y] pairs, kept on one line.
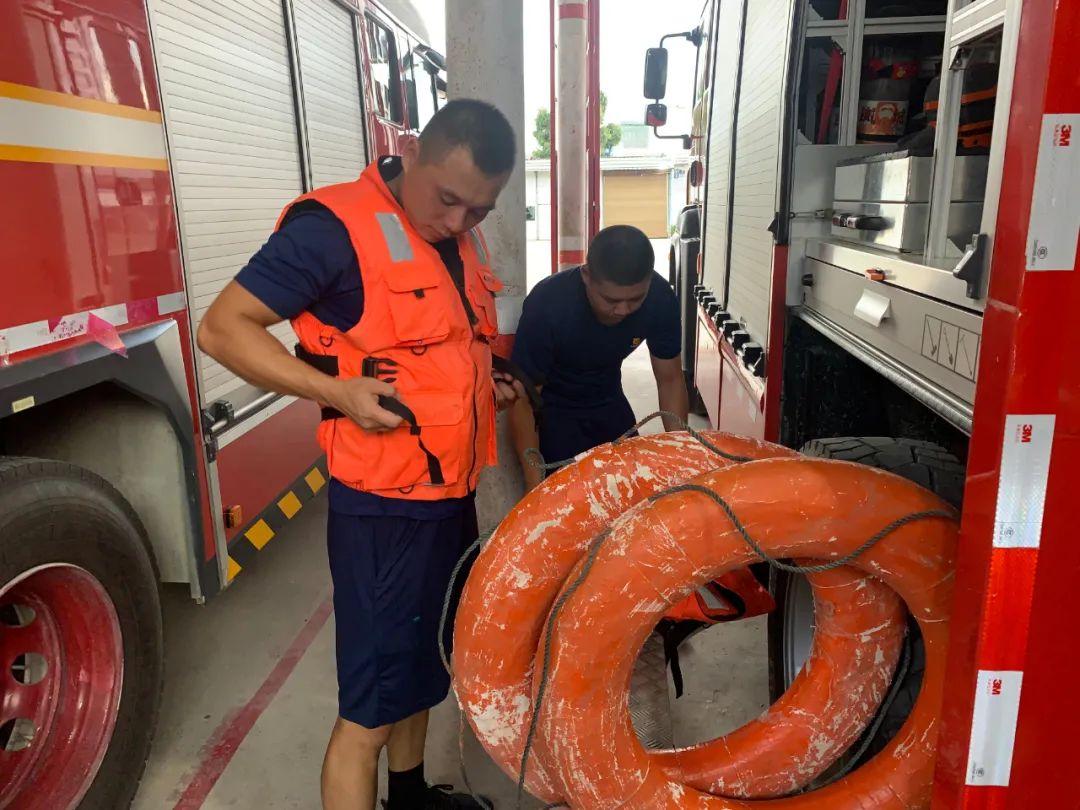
{"points": [[486, 60], [572, 123]]}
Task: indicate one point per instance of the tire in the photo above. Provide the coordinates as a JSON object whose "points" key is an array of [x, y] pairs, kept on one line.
{"points": [[928, 465], [60, 524]]}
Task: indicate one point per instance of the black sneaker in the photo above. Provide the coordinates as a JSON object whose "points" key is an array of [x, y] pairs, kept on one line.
{"points": [[442, 797]]}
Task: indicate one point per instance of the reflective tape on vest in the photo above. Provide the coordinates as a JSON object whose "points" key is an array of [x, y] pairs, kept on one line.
{"points": [[478, 243], [397, 241]]}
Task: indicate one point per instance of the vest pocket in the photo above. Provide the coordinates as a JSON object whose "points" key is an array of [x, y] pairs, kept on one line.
{"points": [[419, 317], [484, 302], [395, 463]]}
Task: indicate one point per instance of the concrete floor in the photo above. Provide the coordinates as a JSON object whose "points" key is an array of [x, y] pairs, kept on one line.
{"points": [[251, 676]]}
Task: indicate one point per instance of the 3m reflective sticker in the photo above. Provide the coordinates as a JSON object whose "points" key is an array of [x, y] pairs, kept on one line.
{"points": [[173, 302], [1025, 468], [993, 728], [1055, 200]]}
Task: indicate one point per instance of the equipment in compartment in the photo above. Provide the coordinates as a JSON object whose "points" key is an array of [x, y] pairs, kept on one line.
{"points": [[884, 200]]}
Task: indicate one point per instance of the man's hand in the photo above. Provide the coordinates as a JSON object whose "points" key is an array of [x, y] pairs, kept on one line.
{"points": [[358, 399], [532, 474], [508, 390]]}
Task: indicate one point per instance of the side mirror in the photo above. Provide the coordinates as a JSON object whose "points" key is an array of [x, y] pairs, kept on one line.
{"points": [[656, 115], [434, 62], [656, 60]]}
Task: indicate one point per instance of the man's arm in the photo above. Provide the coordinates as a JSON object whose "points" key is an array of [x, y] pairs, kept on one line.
{"points": [[671, 387], [234, 332], [524, 435], [534, 354]]}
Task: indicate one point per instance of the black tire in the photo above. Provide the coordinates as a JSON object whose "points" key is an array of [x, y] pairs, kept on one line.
{"points": [[52, 512], [930, 466]]}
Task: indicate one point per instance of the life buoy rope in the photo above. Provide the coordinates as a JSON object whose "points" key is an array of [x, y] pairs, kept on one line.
{"points": [[524, 570]]}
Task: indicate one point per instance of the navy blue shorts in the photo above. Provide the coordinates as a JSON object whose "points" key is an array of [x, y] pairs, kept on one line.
{"points": [[566, 433], [390, 577]]}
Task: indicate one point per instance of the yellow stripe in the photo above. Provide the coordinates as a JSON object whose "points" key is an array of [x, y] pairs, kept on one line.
{"points": [[24, 92], [34, 154], [289, 505], [260, 534], [232, 570], [315, 480]]}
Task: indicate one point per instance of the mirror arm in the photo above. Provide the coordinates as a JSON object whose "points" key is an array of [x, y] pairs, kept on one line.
{"points": [[688, 35], [687, 140]]}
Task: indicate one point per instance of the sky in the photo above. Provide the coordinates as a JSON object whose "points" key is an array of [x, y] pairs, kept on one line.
{"points": [[627, 28]]}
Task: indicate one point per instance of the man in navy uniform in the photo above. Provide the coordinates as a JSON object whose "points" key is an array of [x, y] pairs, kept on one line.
{"points": [[576, 329]]}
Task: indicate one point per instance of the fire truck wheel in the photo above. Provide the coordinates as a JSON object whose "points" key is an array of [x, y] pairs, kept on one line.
{"points": [[791, 624], [80, 640]]}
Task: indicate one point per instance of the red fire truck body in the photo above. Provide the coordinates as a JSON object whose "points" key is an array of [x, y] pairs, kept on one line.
{"points": [[146, 150]]}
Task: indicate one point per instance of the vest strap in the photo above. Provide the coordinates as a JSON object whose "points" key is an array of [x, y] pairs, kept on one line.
{"points": [[328, 364]]}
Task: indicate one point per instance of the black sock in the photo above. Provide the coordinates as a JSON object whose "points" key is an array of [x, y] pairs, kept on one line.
{"points": [[406, 789]]}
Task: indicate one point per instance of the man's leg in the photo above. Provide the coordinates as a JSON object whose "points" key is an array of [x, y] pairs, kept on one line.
{"points": [[350, 774], [405, 746]]}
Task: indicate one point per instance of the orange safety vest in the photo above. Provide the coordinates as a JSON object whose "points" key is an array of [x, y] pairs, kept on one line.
{"points": [[415, 329]]}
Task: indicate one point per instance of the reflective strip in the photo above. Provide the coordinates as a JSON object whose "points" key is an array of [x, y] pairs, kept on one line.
{"points": [[33, 131], [397, 241], [1025, 471], [173, 302], [23, 337], [508, 312], [1055, 199], [478, 243], [993, 728], [25, 92], [712, 601]]}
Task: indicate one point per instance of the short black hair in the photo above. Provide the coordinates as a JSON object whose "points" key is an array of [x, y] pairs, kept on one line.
{"points": [[476, 125], [621, 254]]}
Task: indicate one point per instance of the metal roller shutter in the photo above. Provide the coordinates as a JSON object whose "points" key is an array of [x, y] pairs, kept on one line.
{"points": [[757, 154], [639, 199], [728, 32], [330, 78], [227, 93]]}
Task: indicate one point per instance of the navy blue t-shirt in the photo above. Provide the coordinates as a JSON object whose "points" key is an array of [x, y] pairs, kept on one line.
{"points": [[309, 264], [561, 345]]}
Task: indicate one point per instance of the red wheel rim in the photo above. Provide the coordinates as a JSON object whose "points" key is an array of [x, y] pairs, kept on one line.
{"points": [[62, 662]]}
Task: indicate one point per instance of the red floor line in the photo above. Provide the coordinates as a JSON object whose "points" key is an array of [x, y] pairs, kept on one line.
{"points": [[230, 734]]}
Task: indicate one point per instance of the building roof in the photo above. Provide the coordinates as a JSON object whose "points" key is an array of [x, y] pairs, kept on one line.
{"points": [[623, 163]]}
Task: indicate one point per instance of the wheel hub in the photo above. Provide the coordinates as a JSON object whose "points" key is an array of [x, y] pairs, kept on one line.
{"points": [[61, 672]]}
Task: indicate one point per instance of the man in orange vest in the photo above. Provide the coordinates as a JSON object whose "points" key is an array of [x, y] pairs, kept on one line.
{"points": [[389, 288]]}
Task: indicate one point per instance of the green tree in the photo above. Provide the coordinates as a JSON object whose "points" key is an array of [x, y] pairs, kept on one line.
{"points": [[542, 133], [610, 134]]}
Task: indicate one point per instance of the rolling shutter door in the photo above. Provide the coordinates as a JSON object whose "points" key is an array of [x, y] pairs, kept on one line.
{"points": [[757, 155], [330, 78], [639, 199], [718, 173], [227, 94]]}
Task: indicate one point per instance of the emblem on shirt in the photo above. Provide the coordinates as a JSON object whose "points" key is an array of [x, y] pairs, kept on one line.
{"points": [[636, 342]]}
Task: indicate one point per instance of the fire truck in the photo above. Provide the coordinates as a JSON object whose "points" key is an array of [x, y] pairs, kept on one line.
{"points": [[146, 150], [876, 263]]}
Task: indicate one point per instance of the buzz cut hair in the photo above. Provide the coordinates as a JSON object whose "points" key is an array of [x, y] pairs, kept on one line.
{"points": [[621, 254], [475, 125]]}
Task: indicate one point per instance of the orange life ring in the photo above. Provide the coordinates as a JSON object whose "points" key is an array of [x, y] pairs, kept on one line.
{"points": [[793, 508], [519, 573]]}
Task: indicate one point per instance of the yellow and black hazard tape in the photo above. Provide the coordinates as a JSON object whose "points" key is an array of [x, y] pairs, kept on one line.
{"points": [[253, 538]]}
